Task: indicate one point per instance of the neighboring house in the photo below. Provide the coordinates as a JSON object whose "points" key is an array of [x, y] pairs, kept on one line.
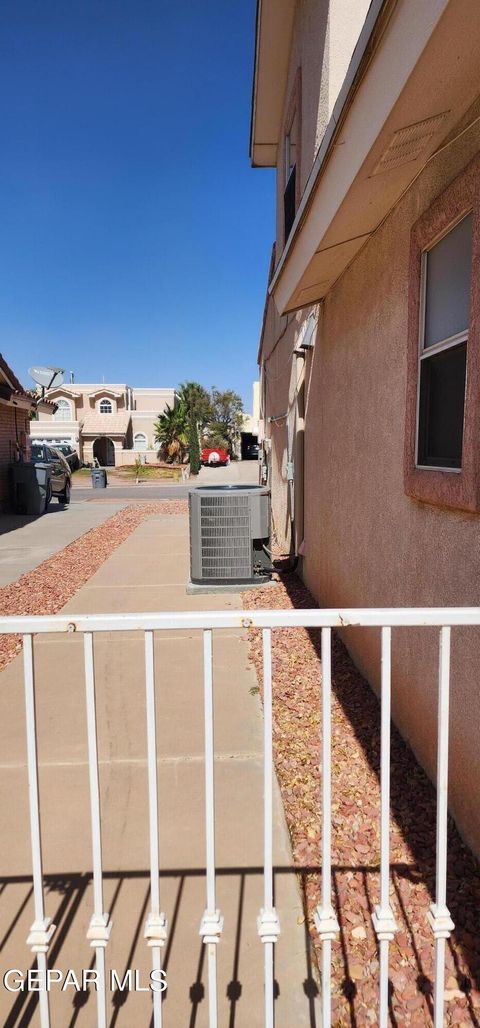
{"points": [[16, 407], [107, 422], [370, 374]]}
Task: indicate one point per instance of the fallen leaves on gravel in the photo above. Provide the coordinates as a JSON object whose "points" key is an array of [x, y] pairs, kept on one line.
{"points": [[47, 588], [356, 834]]}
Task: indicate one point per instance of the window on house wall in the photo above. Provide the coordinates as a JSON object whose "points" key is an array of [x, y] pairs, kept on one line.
{"points": [[444, 323], [64, 411], [290, 192], [139, 441], [105, 407]]}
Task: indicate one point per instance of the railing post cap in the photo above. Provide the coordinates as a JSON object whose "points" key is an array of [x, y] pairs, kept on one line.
{"points": [[211, 927], [156, 929], [99, 929], [268, 925], [326, 923], [440, 921], [40, 935], [384, 923]]}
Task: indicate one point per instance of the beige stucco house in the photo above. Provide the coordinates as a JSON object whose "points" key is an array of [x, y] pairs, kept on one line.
{"points": [[111, 423], [369, 351]]}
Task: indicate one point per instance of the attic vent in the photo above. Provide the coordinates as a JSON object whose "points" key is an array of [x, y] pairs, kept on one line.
{"points": [[408, 143]]}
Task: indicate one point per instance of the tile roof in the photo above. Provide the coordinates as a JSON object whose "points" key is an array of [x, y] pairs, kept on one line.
{"points": [[13, 383], [106, 424]]}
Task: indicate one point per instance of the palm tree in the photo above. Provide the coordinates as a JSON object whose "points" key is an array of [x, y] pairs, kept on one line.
{"points": [[193, 396], [170, 432]]}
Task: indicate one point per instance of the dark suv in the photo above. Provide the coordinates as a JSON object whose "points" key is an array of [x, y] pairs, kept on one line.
{"points": [[60, 477]]}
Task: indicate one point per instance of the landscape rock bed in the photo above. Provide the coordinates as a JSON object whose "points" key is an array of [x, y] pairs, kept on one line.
{"points": [[47, 588], [356, 836]]}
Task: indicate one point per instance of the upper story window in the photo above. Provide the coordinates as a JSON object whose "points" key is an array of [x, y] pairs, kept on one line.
{"points": [[139, 441], [64, 411], [444, 323], [105, 406], [290, 171]]}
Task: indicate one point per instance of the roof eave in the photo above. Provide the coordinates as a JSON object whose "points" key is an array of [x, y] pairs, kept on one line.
{"points": [[273, 37], [405, 69]]}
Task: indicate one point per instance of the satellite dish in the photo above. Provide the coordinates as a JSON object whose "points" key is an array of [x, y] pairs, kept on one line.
{"points": [[47, 378]]}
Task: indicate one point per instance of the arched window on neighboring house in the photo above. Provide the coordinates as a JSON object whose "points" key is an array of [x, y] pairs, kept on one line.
{"points": [[64, 410], [140, 441], [105, 406]]}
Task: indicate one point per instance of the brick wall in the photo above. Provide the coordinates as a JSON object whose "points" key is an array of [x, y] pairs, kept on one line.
{"points": [[7, 437]]}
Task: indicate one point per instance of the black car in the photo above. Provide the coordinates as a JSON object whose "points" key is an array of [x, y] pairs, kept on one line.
{"points": [[252, 451], [60, 476]]}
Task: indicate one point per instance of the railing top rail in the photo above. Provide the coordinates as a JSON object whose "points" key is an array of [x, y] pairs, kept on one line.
{"points": [[366, 617]]}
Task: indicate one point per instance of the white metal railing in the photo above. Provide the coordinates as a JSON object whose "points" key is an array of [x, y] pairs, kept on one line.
{"points": [[268, 924]]}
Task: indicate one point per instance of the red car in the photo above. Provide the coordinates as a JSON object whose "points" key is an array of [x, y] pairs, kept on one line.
{"points": [[214, 456]]}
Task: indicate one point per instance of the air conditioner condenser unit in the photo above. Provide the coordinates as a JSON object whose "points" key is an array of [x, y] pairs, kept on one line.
{"points": [[229, 531]]}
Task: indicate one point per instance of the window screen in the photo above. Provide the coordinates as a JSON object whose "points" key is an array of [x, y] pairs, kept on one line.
{"points": [[447, 297], [447, 272]]}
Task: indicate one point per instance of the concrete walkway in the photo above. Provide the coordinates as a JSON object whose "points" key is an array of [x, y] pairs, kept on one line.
{"points": [[26, 541], [148, 572]]}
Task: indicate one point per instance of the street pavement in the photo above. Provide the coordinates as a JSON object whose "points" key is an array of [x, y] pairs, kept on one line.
{"points": [[148, 572], [237, 473]]}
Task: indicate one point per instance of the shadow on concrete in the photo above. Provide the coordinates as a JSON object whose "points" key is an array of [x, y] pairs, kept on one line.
{"points": [[71, 889], [13, 522]]}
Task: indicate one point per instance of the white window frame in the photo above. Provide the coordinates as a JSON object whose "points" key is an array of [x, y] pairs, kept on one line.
{"points": [[63, 404], [443, 344], [289, 167], [144, 437], [105, 399]]}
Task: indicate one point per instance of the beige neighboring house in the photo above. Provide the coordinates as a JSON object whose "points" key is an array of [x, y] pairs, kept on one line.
{"points": [[369, 352], [251, 421], [111, 423]]}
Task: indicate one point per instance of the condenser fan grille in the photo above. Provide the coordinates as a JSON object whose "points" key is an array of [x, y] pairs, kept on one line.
{"points": [[226, 547]]}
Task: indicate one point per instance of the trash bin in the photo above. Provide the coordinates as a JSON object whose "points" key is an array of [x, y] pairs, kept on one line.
{"points": [[30, 487], [99, 478]]}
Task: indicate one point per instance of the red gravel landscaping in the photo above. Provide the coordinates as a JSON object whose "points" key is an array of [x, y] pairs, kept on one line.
{"points": [[355, 834], [47, 588]]}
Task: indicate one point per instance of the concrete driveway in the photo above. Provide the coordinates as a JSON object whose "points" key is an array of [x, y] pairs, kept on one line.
{"points": [[148, 572], [26, 541]]}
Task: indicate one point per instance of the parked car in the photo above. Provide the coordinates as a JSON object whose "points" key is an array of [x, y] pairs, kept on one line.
{"points": [[252, 451], [71, 455], [214, 456], [60, 475]]}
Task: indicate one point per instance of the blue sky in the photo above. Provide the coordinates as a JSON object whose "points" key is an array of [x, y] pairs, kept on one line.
{"points": [[135, 237]]}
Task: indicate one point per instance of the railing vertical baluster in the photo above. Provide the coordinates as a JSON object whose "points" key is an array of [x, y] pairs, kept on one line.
{"points": [[383, 919], [268, 924], [439, 914], [156, 924], [42, 929], [325, 919], [100, 926], [211, 925]]}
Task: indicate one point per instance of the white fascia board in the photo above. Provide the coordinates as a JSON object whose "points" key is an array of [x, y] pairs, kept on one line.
{"points": [[365, 113]]}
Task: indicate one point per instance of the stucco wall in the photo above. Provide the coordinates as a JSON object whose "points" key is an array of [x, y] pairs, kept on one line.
{"points": [[367, 543], [153, 399]]}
